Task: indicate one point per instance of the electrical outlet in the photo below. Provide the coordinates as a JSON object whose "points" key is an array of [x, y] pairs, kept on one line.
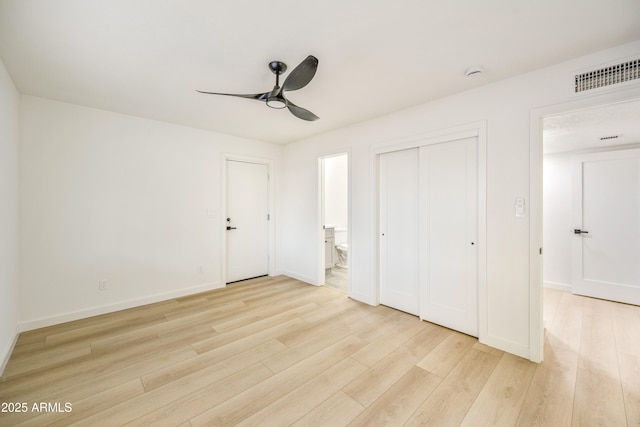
{"points": [[102, 285]]}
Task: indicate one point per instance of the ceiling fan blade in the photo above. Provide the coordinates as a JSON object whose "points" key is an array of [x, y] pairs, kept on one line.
{"points": [[302, 74], [258, 96], [301, 113]]}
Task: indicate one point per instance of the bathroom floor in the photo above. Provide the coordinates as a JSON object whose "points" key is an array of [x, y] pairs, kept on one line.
{"points": [[337, 278]]}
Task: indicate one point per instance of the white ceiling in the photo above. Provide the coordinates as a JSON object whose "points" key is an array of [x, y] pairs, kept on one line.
{"points": [[147, 57], [582, 130]]}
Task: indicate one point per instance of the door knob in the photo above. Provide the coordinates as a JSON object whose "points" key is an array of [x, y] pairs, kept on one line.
{"points": [[230, 227]]}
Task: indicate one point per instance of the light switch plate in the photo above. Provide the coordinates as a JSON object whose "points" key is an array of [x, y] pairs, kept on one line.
{"points": [[520, 207]]}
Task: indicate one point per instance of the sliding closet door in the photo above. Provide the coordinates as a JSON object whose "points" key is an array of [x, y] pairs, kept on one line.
{"points": [[448, 234], [399, 230]]}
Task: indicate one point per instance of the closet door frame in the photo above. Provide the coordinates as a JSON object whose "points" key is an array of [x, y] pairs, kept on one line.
{"points": [[477, 130]]}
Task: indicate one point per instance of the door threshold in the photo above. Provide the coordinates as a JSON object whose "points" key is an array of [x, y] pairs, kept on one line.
{"points": [[248, 278]]}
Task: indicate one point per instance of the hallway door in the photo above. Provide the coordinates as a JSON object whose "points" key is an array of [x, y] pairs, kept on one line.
{"points": [[606, 240]]}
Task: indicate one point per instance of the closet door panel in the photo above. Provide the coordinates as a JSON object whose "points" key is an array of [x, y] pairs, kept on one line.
{"points": [[399, 230], [448, 223]]}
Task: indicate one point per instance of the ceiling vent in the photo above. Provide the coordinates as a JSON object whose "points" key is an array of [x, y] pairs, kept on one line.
{"points": [[609, 137], [608, 76]]}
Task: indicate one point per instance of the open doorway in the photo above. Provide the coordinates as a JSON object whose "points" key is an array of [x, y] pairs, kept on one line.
{"points": [[334, 184], [538, 268], [591, 196]]}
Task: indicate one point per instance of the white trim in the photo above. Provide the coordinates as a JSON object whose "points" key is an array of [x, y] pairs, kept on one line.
{"points": [[437, 137], [508, 346], [374, 182], [483, 305], [6, 354], [536, 327], [110, 308], [223, 209], [470, 130], [298, 276], [321, 264], [559, 286]]}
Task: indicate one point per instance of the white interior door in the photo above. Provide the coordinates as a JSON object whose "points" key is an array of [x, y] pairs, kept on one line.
{"points": [[606, 209], [448, 256], [399, 230], [247, 221]]}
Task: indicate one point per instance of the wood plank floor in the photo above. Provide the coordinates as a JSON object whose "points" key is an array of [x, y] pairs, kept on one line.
{"points": [[277, 352]]}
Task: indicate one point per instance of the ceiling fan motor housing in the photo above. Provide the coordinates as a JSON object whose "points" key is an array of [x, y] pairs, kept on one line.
{"points": [[277, 67]]}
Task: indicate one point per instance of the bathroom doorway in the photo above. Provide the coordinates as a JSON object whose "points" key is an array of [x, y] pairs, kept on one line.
{"points": [[334, 183]]}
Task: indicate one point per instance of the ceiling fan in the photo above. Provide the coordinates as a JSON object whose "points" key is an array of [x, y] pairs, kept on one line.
{"points": [[297, 79]]}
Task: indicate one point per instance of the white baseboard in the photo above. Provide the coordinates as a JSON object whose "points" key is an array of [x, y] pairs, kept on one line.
{"points": [[508, 346], [301, 277], [555, 285], [364, 298], [96, 311], [6, 353]]}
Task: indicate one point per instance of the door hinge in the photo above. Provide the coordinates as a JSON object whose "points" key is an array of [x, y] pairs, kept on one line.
{"points": [[540, 251], [268, 217]]}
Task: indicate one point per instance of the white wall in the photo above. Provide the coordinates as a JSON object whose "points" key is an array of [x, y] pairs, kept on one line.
{"points": [[9, 135], [557, 220], [336, 185], [506, 107], [115, 197]]}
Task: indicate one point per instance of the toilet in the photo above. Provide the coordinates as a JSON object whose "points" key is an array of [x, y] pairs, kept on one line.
{"points": [[342, 255]]}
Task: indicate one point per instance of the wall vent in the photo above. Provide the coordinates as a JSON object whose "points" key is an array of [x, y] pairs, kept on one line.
{"points": [[603, 77], [610, 137]]}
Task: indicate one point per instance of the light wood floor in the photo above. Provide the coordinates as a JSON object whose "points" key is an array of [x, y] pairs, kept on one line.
{"points": [[274, 351]]}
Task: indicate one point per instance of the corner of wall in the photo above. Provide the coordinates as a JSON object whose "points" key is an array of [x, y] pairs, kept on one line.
{"points": [[5, 355], [299, 276], [9, 214]]}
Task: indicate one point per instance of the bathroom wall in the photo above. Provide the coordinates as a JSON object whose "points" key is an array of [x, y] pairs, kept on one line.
{"points": [[557, 221], [336, 183]]}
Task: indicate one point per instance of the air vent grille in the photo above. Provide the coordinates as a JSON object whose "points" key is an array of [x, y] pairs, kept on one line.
{"points": [[608, 76], [608, 138]]}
